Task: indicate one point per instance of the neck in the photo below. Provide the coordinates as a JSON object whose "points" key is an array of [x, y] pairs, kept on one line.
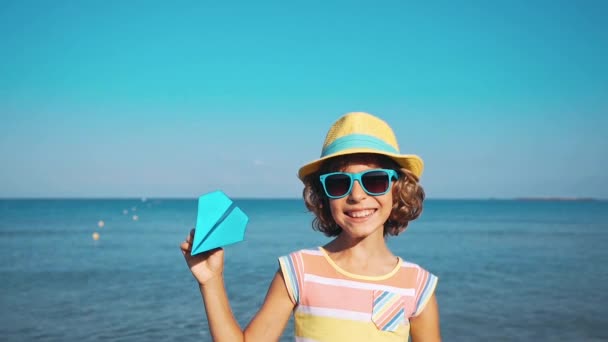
{"points": [[359, 249], [366, 257]]}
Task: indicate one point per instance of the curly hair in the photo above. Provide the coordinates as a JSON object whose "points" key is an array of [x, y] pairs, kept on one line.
{"points": [[408, 195]]}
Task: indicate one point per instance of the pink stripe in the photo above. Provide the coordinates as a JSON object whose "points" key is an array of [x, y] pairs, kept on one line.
{"points": [[420, 284], [389, 314], [335, 297], [299, 267]]}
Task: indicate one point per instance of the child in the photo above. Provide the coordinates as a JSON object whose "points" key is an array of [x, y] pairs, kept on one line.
{"points": [[353, 288]]}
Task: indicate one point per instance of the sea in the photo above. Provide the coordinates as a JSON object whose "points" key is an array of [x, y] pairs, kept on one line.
{"points": [[112, 270]]}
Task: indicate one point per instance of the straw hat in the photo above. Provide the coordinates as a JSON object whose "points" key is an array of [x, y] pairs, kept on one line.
{"points": [[362, 133]]}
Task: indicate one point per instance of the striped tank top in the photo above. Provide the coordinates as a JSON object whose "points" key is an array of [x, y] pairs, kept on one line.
{"points": [[335, 305]]}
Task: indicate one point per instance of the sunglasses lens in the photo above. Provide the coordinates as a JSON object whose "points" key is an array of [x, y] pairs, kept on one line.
{"points": [[337, 185], [375, 182]]}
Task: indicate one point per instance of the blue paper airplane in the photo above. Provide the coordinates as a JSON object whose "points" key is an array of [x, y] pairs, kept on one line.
{"points": [[219, 223]]}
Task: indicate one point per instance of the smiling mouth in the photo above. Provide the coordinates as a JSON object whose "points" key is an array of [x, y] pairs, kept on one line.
{"points": [[360, 213]]}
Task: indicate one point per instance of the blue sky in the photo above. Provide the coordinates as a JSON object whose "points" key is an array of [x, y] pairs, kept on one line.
{"points": [[175, 99]]}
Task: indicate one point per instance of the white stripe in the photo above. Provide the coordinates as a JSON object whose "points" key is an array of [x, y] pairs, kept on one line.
{"points": [[334, 313], [357, 285], [311, 251], [300, 263], [426, 296], [304, 339], [406, 264]]}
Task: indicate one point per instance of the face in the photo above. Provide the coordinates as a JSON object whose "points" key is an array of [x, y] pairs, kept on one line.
{"points": [[360, 214]]}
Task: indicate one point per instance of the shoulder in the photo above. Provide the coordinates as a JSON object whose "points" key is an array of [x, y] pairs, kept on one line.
{"points": [[413, 268], [421, 281], [302, 253], [409, 264], [417, 277], [293, 268], [297, 260]]}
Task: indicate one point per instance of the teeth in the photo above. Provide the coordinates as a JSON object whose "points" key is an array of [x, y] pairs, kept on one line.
{"points": [[361, 213]]}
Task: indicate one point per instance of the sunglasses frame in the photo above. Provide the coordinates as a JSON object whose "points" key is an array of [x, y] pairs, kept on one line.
{"points": [[357, 177]]}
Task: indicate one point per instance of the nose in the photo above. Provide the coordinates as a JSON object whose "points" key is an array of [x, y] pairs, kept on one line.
{"points": [[357, 193]]}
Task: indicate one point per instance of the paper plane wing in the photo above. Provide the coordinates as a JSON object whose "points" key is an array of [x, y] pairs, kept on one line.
{"points": [[219, 223]]}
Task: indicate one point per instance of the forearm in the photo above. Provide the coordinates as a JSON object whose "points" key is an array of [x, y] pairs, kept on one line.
{"points": [[222, 324]]}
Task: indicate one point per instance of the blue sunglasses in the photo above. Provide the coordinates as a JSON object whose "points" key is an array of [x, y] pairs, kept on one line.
{"points": [[375, 182]]}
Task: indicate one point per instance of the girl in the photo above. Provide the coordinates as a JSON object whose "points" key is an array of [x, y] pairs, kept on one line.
{"points": [[353, 288]]}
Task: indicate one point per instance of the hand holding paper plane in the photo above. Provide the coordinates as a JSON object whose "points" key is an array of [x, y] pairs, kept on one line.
{"points": [[219, 223]]}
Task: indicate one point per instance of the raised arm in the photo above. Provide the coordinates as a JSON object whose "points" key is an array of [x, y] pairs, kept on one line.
{"points": [[267, 325]]}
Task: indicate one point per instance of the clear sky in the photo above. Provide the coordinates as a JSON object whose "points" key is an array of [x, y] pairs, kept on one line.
{"points": [[177, 98]]}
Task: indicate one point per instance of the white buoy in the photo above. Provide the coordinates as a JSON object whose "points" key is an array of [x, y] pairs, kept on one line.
{"points": [[135, 217], [100, 224]]}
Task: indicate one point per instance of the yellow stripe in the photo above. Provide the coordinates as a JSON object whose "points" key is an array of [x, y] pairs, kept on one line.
{"points": [[326, 329], [388, 305]]}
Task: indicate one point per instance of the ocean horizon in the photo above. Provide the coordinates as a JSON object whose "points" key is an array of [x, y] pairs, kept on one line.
{"points": [[145, 199], [509, 269]]}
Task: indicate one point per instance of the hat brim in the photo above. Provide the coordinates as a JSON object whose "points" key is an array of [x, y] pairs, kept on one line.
{"points": [[411, 162]]}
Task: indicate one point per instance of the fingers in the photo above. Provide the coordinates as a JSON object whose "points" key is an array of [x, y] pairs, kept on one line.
{"points": [[190, 236], [187, 244], [186, 248]]}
